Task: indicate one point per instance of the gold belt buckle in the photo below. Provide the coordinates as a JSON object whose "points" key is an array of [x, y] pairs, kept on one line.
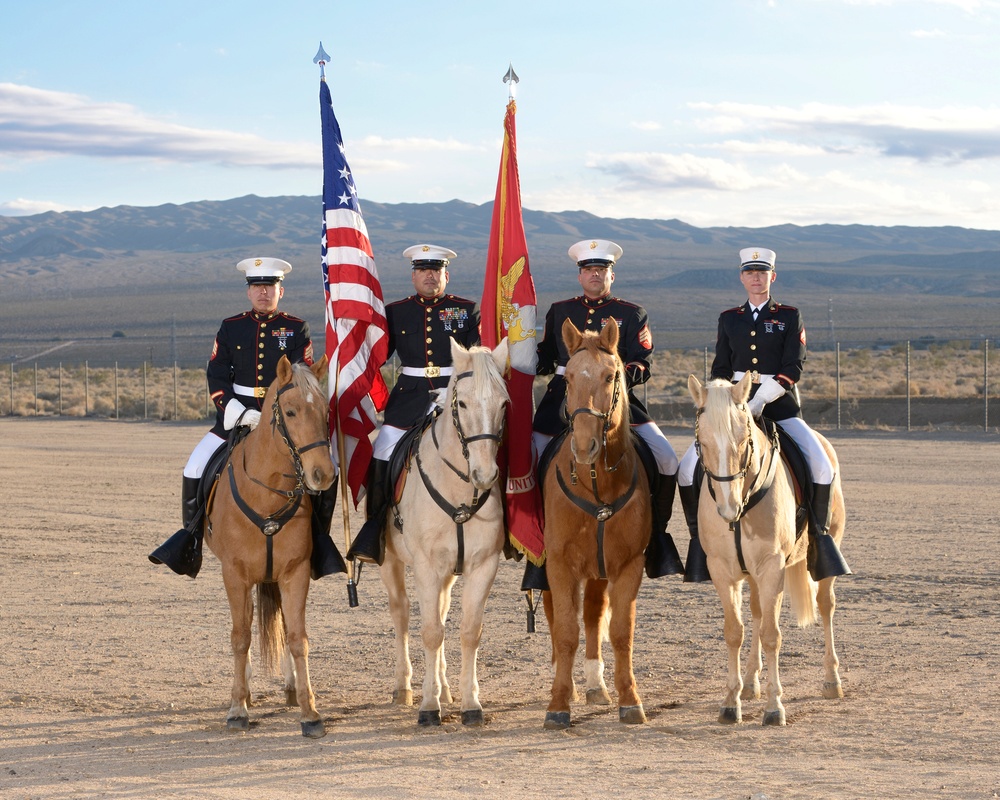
{"points": [[432, 372], [259, 391], [754, 376]]}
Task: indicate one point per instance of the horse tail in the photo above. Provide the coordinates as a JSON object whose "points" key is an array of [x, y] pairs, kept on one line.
{"points": [[801, 593], [271, 626]]}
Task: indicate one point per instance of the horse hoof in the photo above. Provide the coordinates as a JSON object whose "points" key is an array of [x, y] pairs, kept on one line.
{"points": [[314, 729], [632, 715], [402, 697], [556, 720], [774, 717], [239, 724], [427, 719], [598, 697], [730, 716], [291, 698], [473, 717], [832, 690]]}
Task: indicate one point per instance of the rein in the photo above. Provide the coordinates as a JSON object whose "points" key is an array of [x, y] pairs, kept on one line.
{"points": [[462, 513], [274, 522], [759, 486]]}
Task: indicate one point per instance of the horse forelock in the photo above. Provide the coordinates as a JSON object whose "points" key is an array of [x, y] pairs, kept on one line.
{"points": [[719, 406], [487, 381], [307, 383]]}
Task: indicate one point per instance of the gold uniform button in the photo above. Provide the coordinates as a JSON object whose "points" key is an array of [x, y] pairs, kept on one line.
{"points": [[753, 347], [753, 360], [753, 333], [430, 353], [429, 340]]}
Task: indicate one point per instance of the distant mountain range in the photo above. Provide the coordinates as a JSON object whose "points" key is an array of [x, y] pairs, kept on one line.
{"points": [[186, 254]]}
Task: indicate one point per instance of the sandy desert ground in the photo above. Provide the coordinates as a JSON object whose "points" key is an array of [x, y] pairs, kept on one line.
{"points": [[116, 673]]}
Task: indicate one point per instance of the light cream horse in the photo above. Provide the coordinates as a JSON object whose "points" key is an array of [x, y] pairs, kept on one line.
{"points": [[741, 516], [450, 522], [259, 526]]}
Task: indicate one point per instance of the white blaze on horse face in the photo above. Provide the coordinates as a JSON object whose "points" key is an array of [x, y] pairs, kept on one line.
{"points": [[728, 494]]}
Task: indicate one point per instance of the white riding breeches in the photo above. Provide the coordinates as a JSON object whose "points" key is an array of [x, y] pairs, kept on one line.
{"points": [[386, 441], [820, 466], [812, 448], [202, 452], [663, 452]]}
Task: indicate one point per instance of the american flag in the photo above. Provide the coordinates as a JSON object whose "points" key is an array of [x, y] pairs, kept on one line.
{"points": [[508, 309], [356, 330]]}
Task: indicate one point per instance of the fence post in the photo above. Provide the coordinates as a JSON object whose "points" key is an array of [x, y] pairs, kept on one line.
{"points": [[36, 388], [86, 388], [986, 385], [907, 384], [60, 390], [838, 386], [145, 399], [704, 376], [175, 390], [116, 391], [12, 388]]}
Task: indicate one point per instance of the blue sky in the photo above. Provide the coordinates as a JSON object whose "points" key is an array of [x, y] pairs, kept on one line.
{"points": [[746, 112]]}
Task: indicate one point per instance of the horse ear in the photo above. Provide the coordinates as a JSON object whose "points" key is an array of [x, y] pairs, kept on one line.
{"points": [[459, 356], [571, 336], [320, 368], [501, 354], [697, 391], [741, 391], [284, 370], [609, 336]]}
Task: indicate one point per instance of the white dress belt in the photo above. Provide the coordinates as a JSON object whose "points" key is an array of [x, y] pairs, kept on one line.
{"points": [[249, 391], [426, 372], [756, 377]]}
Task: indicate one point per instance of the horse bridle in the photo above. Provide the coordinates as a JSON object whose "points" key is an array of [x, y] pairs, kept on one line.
{"points": [[600, 511], [463, 512], [273, 523], [605, 417], [752, 494]]}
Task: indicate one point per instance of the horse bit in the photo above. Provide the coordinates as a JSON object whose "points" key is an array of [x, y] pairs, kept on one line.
{"points": [[462, 513]]}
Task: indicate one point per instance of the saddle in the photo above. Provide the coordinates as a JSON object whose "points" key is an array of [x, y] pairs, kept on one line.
{"points": [[402, 456]]}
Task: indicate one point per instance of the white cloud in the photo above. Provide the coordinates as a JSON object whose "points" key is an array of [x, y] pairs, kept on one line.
{"points": [[950, 133], [654, 171], [933, 34], [646, 126], [21, 207]]}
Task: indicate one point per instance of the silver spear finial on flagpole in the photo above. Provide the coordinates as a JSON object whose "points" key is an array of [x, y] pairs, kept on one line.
{"points": [[323, 58], [511, 78]]}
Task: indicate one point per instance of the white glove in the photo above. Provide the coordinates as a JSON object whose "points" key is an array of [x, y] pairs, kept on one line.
{"points": [[233, 410], [768, 391], [251, 418]]}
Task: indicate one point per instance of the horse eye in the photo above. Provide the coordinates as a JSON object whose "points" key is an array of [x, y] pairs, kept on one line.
{"points": [[609, 379], [461, 404], [290, 412]]}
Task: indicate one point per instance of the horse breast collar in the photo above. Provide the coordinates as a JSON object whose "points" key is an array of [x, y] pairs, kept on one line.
{"points": [[600, 511]]}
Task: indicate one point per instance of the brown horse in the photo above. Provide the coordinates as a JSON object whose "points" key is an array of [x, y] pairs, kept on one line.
{"points": [[597, 526], [747, 524], [259, 526]]}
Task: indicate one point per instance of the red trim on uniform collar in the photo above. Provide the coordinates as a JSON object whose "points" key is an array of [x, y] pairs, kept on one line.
{"points": [[596, 300], [259, 318]]}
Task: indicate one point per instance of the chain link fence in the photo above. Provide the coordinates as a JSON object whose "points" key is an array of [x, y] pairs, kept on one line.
{"points": [[907, 385]]}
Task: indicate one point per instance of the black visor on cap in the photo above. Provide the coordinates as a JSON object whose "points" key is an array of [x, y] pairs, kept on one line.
{"points": [[270, 280], [595, 262], [430, 264], [756, 266]]}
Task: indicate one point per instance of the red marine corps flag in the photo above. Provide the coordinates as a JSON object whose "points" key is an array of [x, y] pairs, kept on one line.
{"points": [[508, 309], [356, 332]]}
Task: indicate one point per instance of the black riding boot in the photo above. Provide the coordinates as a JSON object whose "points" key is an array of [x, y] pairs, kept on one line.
{"points": [[662, 557], [696, 569], [534, 578], [326, 558], [369, 544], [824, 557], [182, 551]]}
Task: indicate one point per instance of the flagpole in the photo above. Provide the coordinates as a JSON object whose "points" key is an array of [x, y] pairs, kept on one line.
{"points": [[345, 495], [321, 58]]}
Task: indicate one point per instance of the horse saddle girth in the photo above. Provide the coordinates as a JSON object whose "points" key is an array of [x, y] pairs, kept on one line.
{"points": [[642, 449]]}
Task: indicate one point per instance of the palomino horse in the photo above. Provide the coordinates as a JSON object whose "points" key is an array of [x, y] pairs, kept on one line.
{"points": [[259, 526], [450, 522], [597, 526], [747, 524]]}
